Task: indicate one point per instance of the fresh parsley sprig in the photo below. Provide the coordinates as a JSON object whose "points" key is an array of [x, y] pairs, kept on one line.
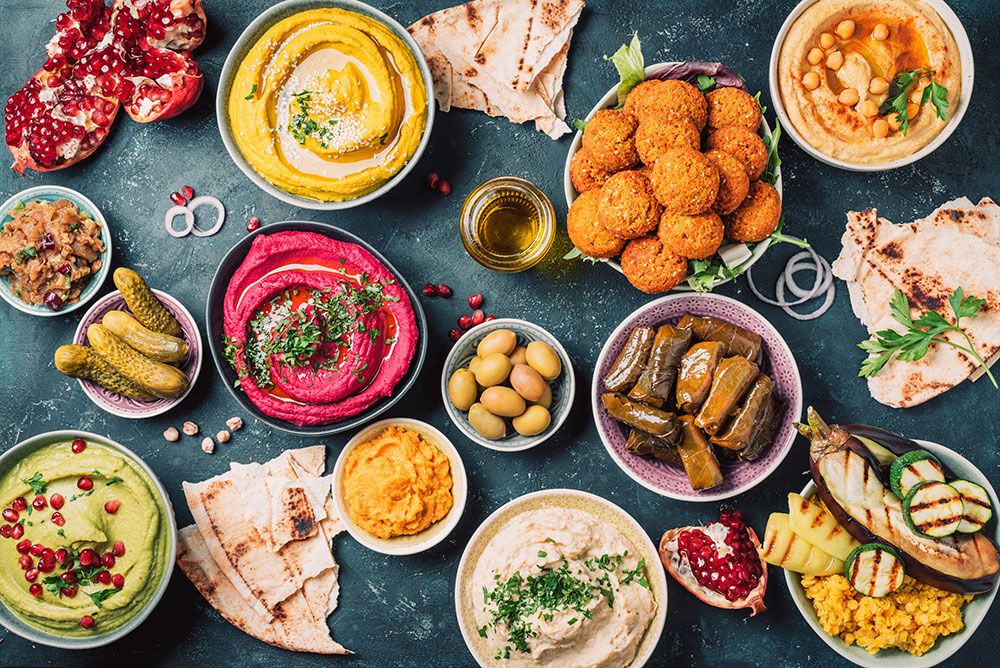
{"points": [[920, 333], [903, 84]]}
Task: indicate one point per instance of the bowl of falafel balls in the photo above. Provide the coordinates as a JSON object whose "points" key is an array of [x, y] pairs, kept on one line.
{"points": [[674, 177]]}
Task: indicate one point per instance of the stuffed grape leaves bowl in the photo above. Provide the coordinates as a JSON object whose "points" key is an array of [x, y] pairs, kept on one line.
{"points": [[695, 396]]}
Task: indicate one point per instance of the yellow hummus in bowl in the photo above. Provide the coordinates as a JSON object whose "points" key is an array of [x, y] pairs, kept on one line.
{"points": [[841, 73], [89, 544], [325, 104]]}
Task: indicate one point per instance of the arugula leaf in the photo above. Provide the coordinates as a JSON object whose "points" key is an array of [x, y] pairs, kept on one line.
{"points": [[253, 91], [705, 83], [577, 253], [36, 483], [770, 175], [579, 124], [763, 107], [631, 67]]}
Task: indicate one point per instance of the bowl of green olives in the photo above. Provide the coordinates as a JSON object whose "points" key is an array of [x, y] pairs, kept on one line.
{"points": [[508, 384]]}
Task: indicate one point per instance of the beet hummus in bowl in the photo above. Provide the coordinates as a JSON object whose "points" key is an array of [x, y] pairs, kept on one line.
{"points": [[312, 329]]}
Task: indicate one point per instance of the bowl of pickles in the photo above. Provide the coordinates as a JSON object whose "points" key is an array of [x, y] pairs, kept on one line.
{"points": [[695, 397]]}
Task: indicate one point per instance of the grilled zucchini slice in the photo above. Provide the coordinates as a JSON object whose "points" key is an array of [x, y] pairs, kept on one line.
{"points": [[874, 570], [977, 510], [911, 468], [933, 509]]}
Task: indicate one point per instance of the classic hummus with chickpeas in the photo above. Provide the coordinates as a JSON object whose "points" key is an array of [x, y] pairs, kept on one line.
{"points": [[838, 74]]}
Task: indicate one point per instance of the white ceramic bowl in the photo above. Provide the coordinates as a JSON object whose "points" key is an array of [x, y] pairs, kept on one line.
{"points": [[968, 78], [432, 535], [49, 193], [609, 100], [973, 613], [558, 498], [246, 41], [15, 624], [563, 387]]}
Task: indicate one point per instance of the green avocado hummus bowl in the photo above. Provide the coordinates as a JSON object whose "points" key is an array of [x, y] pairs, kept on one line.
{"points": [[87, 540]]}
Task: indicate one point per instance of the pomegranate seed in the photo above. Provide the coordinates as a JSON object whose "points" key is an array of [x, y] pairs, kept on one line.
{"points": [[444, 290], [69, 577], [23, 547], [35, 590], [25, 562], [58, 519], [16, 531], [454, 334], [11, 515], [475, 301], [48, 554], [36, 550], [112, 506], [177, 199], [39, 502], [61, 555], [78, 446], [85, 483], [188, 192], [19, 504], [86, 621], [108, 560], [430, 290], [118, 549], [46, 566], [31, 574], [89, 558], [489, 318], [56, 501], [432, 181], [478, 317], [464, 321], [252, 224], [444, 188], [118, 580], [5, 531], [68, 592], [103, 577]]}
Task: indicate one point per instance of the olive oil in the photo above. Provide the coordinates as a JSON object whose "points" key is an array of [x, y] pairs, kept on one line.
{"points": [[508, 224]]}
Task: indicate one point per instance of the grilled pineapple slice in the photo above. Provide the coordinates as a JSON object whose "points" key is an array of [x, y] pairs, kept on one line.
{"points": [[810, 520], [782, 547]]}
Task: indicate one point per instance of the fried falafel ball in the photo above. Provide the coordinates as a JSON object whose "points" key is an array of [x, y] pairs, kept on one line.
{"points": [[734, 184], [743, 145], [693, 237], [757, 217], [584, 172], [652, 267], [628, 207], [585, 229], [732, 106], [673, 95], [662, 131], [610, 139], [634, 97], [685, 181]]}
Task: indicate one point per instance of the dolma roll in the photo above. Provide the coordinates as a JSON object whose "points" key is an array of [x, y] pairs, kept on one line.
{"points": [[639, 415], [695, 374], [702, 468], [732, 379], [663, 448], [740, 432], [631, 361], [656, 383], [764, 434], [738, 341]]}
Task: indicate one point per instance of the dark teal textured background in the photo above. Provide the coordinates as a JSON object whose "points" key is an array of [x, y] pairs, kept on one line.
{"points": [[399, 611]]}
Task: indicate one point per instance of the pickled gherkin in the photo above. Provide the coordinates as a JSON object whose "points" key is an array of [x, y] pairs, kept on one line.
{"points": [[144, 305]]}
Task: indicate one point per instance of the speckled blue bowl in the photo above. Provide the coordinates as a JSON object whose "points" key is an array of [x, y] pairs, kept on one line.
{"points": [[51, 194]]}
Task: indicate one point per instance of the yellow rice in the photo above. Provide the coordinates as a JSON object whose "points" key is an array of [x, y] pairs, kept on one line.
{"points": [[911, 619]]}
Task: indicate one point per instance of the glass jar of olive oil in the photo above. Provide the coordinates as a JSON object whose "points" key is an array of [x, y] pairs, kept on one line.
{"points": [[507, 224]]}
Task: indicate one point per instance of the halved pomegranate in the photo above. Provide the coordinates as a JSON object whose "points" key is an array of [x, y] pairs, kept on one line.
{"points": [[718, 562]]}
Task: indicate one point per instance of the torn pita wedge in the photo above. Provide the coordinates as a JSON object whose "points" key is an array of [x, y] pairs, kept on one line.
{"points": [[299, 622]]}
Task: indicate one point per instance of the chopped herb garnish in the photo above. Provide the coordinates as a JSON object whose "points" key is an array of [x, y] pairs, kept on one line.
{"points": [[26, 253], [61, 533], [36, 483], [381, 140], [542, 554], [705, 83], [903, 84], [253, 91], [113, 480], [98, 597], [74, 226]]}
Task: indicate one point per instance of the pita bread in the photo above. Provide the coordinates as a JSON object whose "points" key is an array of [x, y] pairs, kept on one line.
{"points": [[957, 245], [299, 622], [501, 57]]}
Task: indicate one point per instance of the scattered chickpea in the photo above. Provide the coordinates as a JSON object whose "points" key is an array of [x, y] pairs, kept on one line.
{"points": [[171, 434], [810, 80], [845, 29], [878, 86], [880, 32], [911, 110], [835, 60], [223, 436], [869, 108], [849, 97], [815, 56], [234, 423], [190, 428], [880, 128], [893, 122], [826, 40], [208, 445], [916, 95]]}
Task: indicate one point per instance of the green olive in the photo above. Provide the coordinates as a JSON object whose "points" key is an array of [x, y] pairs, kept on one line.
{"points": [[543, 359], [500, 341], [502, 401], [487, 424], [474, 363], [518, 356], [462, 389], [493, 370], [527, 382], [533, 421], [546, 400]]}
